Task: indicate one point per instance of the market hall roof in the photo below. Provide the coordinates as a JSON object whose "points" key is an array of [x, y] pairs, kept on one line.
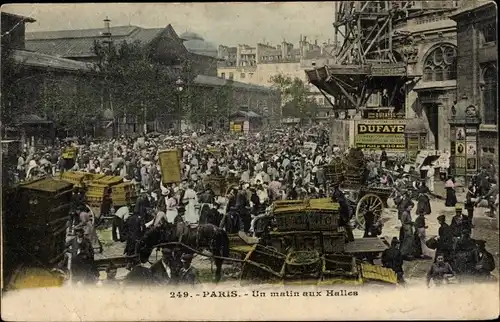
{"points": [[217, 81], [194, 43], [80, 43], [34, 59]]}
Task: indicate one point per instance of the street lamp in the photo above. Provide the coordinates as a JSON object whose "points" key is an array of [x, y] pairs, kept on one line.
{"points": [[179, 83]]}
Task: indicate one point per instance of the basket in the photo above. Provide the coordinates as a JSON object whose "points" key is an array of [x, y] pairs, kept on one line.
{"points": [[303, 263]]}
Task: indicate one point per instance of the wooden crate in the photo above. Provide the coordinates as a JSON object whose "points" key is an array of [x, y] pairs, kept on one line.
{"points": [[339, 265], [74, 177], [262, 265], [333, 242], [108, 180]]}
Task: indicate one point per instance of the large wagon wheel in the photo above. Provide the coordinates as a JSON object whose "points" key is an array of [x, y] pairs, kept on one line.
{"points": [[368, 202]]}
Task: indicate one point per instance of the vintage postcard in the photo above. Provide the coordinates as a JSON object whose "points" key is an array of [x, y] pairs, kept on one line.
{"points": [[250, 161]]}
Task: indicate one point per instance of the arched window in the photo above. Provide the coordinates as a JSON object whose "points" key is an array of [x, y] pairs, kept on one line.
{"points": [[440, 64], [490, 111]]}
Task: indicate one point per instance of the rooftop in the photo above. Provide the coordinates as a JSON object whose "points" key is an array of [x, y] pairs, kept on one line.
{"points": [[35, 59], [217, 81], [18, 17], [80, 43]]}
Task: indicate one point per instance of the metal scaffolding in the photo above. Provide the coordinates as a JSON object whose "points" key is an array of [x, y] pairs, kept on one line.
{"points": [[365, 62]]}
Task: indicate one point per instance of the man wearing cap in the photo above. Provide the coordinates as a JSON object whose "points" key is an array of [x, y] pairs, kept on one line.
{"points": [[82, 256], [188, 274], [165, 271], [393, 259], [135, 231], [120, 218]]}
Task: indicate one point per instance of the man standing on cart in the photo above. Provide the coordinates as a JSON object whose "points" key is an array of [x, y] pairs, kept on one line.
{"points": [[345, 211]]}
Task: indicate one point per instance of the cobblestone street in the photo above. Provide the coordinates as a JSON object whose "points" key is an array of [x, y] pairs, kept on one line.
{"points": [[415, 271]]}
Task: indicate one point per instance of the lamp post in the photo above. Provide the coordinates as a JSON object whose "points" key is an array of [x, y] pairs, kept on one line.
{"points": [[179, 83]]}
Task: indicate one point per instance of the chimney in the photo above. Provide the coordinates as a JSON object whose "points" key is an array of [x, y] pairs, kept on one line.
{"points": [[305, 39], [107, 28]]}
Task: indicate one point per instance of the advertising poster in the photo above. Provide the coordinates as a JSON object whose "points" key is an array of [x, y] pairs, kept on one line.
{"points": [[471, 156], [460, 134], [460, 148], [378, 134]]}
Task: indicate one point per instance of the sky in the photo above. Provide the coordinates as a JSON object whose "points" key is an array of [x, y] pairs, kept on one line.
{"points": [[220, 23]]}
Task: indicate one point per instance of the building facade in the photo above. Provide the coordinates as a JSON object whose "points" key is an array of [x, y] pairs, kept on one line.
{"points": [[257, 64], [477, 69]]}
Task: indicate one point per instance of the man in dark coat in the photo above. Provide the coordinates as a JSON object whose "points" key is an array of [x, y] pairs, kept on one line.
{"points": [[345, 212], [188, 274], [465, 259], [139, 274], [393, 259], [243, 205], [135, 230], [165, 271], [445, 242], [485, 261]]}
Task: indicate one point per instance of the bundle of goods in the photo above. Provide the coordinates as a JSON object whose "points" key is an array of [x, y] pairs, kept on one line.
{"points": [[355, 165]]}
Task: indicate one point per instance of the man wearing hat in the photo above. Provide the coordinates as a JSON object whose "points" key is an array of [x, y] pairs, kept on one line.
{"points": [[485, 261], [345, 212], [393, 259], [111, 271], [82, 256], [188, 274], [166, 271], [445, 242]]}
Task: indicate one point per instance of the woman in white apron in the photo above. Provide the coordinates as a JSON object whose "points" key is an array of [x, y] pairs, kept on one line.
{"points": [[171, 207], [191, 215]]}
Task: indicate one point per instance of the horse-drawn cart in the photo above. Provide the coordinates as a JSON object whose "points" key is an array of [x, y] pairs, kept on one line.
{"points": [[350, 172], [307, 246]]}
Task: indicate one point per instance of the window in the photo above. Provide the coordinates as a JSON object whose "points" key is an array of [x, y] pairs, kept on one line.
{"points": [[489, 32], [490, 112], [440, 64], [242, 75], [250, 74], [223, 75], [231, 76], [321, 101]]}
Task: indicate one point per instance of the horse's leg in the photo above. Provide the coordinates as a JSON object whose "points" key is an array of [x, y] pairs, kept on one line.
{"points": [[218, 269]]}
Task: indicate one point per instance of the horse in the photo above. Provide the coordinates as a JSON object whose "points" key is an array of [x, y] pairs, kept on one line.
{"points": [[196, 237], [210, 215]]}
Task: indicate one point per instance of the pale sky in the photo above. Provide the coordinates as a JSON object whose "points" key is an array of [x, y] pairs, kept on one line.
{"points": [[220, 23]]}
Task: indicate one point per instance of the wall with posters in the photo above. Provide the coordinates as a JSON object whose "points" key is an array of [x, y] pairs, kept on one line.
{"points": [[380, 133]]}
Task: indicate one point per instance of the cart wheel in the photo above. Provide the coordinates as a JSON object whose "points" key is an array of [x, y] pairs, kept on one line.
{"points": [[368, 202]]}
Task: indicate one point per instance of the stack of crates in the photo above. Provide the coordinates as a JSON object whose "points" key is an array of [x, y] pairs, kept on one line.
{"points": [[97, 188], [74, 177], [95, 194], [123, 194]]}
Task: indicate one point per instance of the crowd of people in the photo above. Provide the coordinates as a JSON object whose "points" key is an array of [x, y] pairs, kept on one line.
{"points": [[263, 167]]}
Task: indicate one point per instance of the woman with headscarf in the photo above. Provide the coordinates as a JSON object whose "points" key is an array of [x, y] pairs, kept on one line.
{"points": [[421, 249]]}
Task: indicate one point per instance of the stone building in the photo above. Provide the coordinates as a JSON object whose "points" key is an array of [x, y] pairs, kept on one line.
{"points": [[257, 64], [477, 69], [34, 72]]}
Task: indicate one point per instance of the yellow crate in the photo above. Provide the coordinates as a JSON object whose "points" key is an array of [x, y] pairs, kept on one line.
{"points": [[109, 180], [96, 189], [73, 177], [123, 188]]}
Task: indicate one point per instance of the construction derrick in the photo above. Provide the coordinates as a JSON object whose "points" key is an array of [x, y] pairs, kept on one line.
{"points": [[365, 62]]}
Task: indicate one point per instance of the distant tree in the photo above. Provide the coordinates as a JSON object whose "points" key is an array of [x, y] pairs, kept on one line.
{"points": [[67, 99], [133, 80], [294, 95]]}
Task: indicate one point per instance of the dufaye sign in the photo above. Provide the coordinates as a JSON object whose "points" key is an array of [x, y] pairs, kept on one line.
{"points": [[378, 134]]}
